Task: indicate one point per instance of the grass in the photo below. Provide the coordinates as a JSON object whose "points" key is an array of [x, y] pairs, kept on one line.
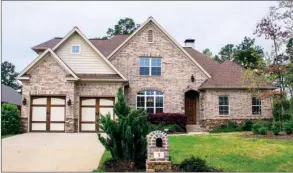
{"points": [[231, 152], [6, 136]]}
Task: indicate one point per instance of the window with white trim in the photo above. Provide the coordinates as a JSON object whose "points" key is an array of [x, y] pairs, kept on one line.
{"points": [[223, 105], [150, 66], [150, 100], [256, 106], [150, 36], [75, 49]]}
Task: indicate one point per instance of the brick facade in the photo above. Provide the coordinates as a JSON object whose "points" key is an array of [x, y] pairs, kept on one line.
{"points": [[177, 69], [240, 107], [48, 78]]}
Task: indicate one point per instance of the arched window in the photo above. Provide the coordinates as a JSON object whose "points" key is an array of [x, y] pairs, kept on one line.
{"points": [[150, 100], [150, 36]]}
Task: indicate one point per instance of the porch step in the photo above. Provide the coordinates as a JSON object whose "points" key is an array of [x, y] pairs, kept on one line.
{"points": [[194, 128]]}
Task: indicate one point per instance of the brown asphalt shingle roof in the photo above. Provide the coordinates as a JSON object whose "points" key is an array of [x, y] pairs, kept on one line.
{"points": [[106, 47], [225, 75], [206, 62]]}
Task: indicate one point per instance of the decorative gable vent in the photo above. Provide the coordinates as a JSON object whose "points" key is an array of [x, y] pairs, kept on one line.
{"points": [[150, 36]]}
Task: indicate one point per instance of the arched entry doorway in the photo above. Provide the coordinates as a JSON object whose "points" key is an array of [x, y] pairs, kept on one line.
{"points": [[191, 101]]}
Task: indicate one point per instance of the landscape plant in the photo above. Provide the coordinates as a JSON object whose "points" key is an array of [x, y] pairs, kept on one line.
{"points": [[276, 127], [126, 137], [288, 127], [10, 119]]}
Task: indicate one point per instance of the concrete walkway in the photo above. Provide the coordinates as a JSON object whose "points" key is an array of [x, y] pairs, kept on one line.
{"points": [[51, 152]]}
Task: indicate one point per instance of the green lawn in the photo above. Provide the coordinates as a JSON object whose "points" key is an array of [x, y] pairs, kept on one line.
{"points": [[6, 136], [230, 152]]}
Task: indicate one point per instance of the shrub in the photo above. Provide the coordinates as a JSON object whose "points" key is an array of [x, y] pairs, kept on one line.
{"points": [[256, 127], [230, 126], [126, 137], [112, 165], [276, 127], [247, 125], [10, 119], [288, 127], [168, 118], [193, 164], [172, 128], [262, 130]]}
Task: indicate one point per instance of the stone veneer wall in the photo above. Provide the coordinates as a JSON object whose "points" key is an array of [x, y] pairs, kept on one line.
{"points": [[239, 103], [177, 69], [48, 78]]}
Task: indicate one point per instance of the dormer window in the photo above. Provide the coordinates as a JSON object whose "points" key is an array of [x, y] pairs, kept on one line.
{"points": [[150, 36], [75, 49]]}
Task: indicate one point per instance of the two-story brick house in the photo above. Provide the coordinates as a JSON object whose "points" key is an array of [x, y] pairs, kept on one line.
{"points": [[74, 79]]}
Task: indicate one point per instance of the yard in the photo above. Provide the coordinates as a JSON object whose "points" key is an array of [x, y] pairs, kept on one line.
{"points": [[231, 152]]}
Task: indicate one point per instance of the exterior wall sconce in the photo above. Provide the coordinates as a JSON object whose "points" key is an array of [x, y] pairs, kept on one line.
{"points": [[24, 101], [68, 102], [192, 78]]}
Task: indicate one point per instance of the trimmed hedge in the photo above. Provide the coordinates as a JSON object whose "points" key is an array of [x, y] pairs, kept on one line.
{"points": [[168, 118]]}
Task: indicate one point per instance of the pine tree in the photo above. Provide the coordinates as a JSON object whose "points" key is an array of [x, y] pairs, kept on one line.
{"points": [[121, 108]]}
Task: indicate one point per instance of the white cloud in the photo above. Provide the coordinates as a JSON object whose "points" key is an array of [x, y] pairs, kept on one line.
{"points": [[212, 24]]}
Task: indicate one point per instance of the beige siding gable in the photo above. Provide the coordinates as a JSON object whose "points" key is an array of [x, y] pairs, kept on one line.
{"points": [[87, 61]]}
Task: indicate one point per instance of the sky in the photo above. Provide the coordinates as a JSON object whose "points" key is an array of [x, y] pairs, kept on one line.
{"points": [[211, 24]]}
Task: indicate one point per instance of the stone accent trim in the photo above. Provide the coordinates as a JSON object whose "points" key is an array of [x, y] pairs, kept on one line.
{"points": [[210, 124]]}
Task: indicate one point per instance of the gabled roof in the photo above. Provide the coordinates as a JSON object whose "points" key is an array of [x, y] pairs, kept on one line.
{"points": [[229, 74], [76, 30], [55, 56], [151, 19], [106, 47], [9, 95]]}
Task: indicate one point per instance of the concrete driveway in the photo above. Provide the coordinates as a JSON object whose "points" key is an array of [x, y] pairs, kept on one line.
{"points": [[51, 152]]}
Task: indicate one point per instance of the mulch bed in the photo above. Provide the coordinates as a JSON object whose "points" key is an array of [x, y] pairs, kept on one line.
{"points": [[270, 135]]}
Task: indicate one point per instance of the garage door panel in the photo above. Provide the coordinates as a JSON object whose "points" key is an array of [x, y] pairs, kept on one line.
{"points": [[106, 102], [40, 101], [57, 114], [88, 102], [46, 112], [39, 113], [106, 111], [57, 126], [88, 127], [57, 101], [88, 114], [39, 126]]}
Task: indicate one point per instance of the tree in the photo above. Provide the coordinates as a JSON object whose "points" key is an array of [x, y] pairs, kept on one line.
{"points": [[126, 138], [217, 58], [124, 26], [8, 75], [207, 52], [227, 52], [10, 119], [248, 55]]}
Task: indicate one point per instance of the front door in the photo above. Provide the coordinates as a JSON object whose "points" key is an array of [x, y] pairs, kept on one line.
{"points": [[47, 114], [190, 108], [91, 109]]}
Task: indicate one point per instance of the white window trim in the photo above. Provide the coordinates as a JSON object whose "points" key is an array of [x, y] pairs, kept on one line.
{"points": [[224, 105], [150, 66], [72, 49], [145, 102], [153, 36], [260, 105]]}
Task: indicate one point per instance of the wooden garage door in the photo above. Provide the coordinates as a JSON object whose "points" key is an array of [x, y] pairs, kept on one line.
{"points": [[90, 110], [47, 114]]}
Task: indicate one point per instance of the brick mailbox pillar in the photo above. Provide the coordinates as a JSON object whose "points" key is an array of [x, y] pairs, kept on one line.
{"points": [[157, 152]]}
